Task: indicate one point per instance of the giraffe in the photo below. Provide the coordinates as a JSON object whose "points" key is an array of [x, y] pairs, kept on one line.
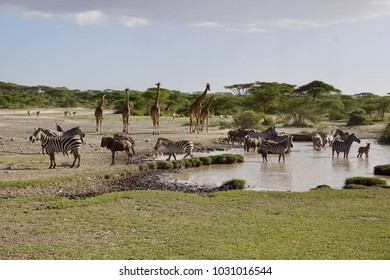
{"points": [[155, 112], [99, 114], [204, 114], [126, 113], [195, 110]]}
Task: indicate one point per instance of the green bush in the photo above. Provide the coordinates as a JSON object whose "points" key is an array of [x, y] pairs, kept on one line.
{"points": [[163, 164], [176, 164], [234, 184], [385, 135], [382, 170], [358, 117], [227, 159], [152, 165], [205, 160], [247, 119], [361, 182]]}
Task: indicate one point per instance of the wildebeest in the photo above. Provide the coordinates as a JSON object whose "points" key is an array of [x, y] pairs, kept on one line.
{"points": [[115, 145]]}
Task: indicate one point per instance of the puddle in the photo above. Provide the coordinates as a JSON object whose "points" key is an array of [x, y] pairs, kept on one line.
{"points": [[304, 168]]}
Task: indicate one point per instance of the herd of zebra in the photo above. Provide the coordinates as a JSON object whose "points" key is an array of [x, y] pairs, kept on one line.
{"points": [[270, 142], [266, 142], [59, 141]]}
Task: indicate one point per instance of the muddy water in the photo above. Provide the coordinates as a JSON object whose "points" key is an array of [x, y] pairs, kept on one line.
{"points": [[304, 168]]}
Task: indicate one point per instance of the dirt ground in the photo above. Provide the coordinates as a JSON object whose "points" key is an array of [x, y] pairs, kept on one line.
{"points": [[22, 160]]}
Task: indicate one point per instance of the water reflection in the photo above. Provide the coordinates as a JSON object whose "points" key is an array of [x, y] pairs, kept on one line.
{"points": [[304, 168]]}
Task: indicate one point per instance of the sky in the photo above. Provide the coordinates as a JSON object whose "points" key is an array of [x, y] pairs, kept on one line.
{"points": [[185, 44]]}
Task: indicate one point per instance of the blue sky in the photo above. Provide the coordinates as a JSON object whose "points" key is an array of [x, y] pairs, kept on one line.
{"points": [[185, 44]]}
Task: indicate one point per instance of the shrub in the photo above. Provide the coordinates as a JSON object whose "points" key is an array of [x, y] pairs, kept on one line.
{"points": [[234, 184], [205, 160], [143, 167], [385, 135], [196, 162], [176, 164], [152, 165], [227, 159], [247, 119], [163, 164], [361, 182], [358, 117], [322, 187], [382, 170]]}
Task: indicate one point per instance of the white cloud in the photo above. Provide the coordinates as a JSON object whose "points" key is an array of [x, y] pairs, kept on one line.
{"points": [[228, 14], [133, 21], [89, 18], [208, 24]]}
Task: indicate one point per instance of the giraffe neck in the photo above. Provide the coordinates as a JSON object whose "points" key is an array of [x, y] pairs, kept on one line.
{"points": [[101, 101], [209, 103], [157, 101], [127, 99], [201, 97]]}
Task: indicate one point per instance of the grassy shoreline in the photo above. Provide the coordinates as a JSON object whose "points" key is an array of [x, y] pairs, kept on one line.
{"points": [[318, 224]]}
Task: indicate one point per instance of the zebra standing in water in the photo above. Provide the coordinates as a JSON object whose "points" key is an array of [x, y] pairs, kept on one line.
{"points": [[57, 144], [273, 147], [183, 146], [344, 146]]}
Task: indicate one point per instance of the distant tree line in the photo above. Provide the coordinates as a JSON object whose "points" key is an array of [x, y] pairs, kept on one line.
{"points": [[295, 105]]}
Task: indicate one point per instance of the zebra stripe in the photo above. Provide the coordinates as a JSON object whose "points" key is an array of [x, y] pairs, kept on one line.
{"points": [[65, 134], [172, 148], [58, 144], [265, 134], [268, 146], [344, 146]]}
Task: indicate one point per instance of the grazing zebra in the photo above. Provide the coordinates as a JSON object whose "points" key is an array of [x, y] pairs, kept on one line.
{"points": [[183, 146], [57, 144], [269, 146], [265, 134], [343, 135], [344, 146]]}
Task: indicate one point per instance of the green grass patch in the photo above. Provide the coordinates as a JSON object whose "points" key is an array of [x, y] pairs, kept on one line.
{"points": [[382, 170], [145, 225], [233, 184], [362, 182]]}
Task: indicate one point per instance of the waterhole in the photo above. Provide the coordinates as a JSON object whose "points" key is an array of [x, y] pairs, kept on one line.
{"points": [[304, 168]]}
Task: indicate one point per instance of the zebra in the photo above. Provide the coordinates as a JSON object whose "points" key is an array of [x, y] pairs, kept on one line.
{"points": [[175, 147], [343, 135], [265, 134], [60, 134], [57, 144], [317, 141], [66, 134], [269, 146], [344, 146]]}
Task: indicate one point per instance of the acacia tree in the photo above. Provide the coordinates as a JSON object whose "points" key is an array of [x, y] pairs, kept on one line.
{"points": [[268, 95], [240, 89], [316, 89]]}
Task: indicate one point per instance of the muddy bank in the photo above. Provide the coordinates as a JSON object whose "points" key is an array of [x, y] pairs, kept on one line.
{"points": [[93, 186]]}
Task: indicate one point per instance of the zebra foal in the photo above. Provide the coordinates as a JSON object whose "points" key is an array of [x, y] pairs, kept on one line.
{"points": [[269, 146], [183, 146], [57, 144], [344, 146]]}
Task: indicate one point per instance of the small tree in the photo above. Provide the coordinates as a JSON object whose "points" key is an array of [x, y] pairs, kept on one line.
{"points": [[358, 117], [247, 119]]}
